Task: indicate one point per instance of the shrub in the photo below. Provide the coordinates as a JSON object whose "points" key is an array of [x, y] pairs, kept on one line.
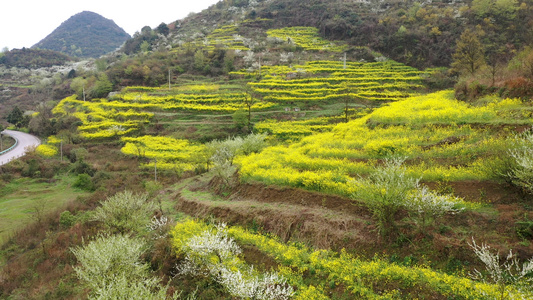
{"points": [[428, 204], [78, 154], [32, 168], [224, 152], [107, 258], [100, 178], [213, 252], [521, 172], [385, 191], [67, 219], [125, 212], [228, 149], [524, 229], [141, 289], [240, 119], [253, 143], [152, 187], [81, 167], [84, 182], [222, 165], [111, 267], [389, 188], [510, 272], [518, 87]]}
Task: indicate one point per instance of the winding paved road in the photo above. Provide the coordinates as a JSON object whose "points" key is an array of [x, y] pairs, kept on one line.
{"points": [[24, 140]]}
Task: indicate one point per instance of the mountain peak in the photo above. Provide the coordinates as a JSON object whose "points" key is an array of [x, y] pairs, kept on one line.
{"points": [[85, 34]]}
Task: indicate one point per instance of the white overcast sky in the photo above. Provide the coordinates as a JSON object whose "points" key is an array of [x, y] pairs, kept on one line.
{"points": [[25, 23]]}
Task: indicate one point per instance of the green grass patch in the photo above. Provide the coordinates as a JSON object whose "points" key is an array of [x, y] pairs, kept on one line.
{"points": [[22, 200], [7, 142]]}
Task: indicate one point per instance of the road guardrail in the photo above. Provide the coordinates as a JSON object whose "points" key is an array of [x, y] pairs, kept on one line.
{"points": [[10, 148]]}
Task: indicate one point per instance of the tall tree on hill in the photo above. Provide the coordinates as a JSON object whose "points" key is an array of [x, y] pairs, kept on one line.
{"points": [[43, 124], [522, 63], [469, 54], [496, 58], [250, 98], [162, 29], [15, 117]]}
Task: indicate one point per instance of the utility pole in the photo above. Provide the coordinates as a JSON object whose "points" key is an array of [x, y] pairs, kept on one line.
{"points": [[259, 66], [155, 170], [83, 92], [344, 60]]}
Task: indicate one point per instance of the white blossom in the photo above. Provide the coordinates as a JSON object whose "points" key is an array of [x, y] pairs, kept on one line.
{"points": [[508, 272], [424, 200], [239, 280]]}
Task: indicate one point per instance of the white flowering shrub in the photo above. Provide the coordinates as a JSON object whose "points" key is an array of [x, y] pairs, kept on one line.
{"points": [[505, 273], [428, 204], [253, 143], [251, 44], [286, 57], [159, 226], [222, 163], [225, 151], [275, 40], [116, 129], [216, 254], [521, 172], [249, 57], [255, 66], [245, 284], [389, 189], [237, 37], [105, 258], [233, 9], [197, 35], [385, 191], [125, 212], [217, 243], [111, 267], [124, 288]]}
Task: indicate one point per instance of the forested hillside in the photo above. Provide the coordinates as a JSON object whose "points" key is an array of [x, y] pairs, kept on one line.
{"points": [[280, 150], [32, 58], [86, 34]]}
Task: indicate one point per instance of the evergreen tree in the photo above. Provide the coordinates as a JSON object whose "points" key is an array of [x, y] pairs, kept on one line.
{"points": [[15, 117], [163, 29]]}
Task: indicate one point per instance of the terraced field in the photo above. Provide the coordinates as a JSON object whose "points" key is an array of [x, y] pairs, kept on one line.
{"points": [[353, 158]]}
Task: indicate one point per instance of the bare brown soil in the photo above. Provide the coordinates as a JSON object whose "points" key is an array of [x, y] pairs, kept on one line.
{"points": [[488, 192], [334, 222]]}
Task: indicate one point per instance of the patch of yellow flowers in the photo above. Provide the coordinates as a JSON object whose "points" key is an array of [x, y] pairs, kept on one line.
{"points": [[170, 153], [433, 131], [357, 276]]}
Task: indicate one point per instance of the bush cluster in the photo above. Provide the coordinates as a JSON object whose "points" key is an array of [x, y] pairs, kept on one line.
{"points": [[111, 266], [390, 189]]}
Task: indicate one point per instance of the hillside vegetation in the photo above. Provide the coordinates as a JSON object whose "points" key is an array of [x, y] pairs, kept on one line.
{"points": [[252, 151], [32, 58], [85, 34]]}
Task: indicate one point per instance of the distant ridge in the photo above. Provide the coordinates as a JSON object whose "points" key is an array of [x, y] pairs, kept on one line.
{"points": [[33, 58], [86, 34]]}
